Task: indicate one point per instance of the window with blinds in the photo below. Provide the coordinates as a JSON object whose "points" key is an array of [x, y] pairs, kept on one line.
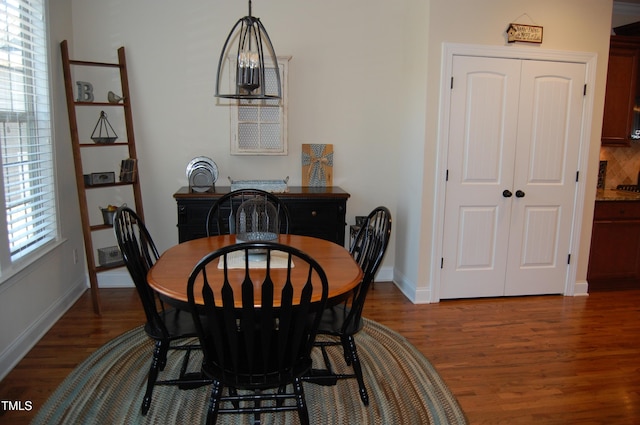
{"points": [[25, 133]]}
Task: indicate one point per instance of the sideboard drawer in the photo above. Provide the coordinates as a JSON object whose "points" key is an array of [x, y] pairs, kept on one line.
{"points": [[324, 220], [314, 213]]}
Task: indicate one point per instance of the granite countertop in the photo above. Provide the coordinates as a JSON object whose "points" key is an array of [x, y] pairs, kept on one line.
{"points": [[616, 195]]}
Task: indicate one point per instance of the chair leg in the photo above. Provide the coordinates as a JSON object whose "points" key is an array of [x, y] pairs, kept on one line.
{"points": [[350, 345], [162, 354], [281, 390], [345, 350], [256, 406], [303, 411], [214, 402], [156, 366]]}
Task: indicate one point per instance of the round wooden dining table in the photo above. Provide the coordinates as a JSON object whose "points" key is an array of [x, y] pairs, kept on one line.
{"points": [[169, 275]]}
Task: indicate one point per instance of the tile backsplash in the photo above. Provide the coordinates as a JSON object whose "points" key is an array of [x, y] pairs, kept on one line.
{"points": [[623, 165]]}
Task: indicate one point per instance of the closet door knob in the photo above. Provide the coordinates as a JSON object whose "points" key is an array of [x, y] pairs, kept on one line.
{"points": [[507, 193], [519, 194]]}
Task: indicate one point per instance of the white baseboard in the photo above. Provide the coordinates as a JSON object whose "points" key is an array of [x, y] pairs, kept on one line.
{"points": [[385, 274], [420, 296], [19, 347], [416, 296], [117, 278], [581, 289]]}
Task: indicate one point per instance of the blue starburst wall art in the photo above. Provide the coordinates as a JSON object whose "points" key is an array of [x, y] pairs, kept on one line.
{"points": [[317, 165]]}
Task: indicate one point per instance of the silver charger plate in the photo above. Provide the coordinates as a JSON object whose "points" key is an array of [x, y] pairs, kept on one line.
{"points": [[201, 177], [198, 165]]}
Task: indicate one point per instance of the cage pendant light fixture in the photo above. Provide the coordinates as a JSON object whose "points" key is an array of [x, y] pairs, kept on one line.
{"points": [[246, 62]]}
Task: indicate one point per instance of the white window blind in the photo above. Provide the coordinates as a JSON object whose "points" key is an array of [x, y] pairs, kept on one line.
{"points": [[25, 132]]}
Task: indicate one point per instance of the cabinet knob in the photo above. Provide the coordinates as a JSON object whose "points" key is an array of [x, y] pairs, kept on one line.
{"points": [[314, 213]]}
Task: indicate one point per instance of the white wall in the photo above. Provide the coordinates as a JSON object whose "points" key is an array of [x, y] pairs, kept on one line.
{"points": [[34, 299], [347, 85], [365, 76], [572, 25]]}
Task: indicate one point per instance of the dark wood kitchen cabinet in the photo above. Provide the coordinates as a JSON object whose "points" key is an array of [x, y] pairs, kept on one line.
{"points": [[614, 259], [622, 91], [314, 211]]}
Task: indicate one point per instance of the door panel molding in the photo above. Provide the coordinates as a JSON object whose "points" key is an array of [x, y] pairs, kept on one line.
{"points": [[477, 223], [540, 244]]}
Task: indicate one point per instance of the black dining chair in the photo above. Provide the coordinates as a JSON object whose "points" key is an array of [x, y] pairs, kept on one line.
{"points": [[343, 321], [260, 330], [221, 217], [164, 325]]}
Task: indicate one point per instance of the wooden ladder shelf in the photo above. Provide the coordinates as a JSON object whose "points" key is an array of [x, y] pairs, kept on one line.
{"points": [[78, 145]]}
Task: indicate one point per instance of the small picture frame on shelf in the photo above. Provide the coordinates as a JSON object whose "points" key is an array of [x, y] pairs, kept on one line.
{"points": [[128, 170]]}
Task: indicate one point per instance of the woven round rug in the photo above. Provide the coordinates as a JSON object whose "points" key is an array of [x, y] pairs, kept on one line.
{"points": [[108, 388]]}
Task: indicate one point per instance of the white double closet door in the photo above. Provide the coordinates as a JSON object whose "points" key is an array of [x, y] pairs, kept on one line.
{"points": [[513, 151]]}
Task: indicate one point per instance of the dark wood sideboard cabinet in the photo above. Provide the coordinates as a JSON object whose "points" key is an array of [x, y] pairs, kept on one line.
{"points": [[314, 211], [614, 260]]}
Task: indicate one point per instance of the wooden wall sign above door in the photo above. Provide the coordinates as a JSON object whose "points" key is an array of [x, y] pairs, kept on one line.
{"points": [[526, 33]]}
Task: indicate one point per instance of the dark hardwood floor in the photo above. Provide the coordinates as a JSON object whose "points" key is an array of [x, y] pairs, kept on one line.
{"points": [[524, 360]]}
